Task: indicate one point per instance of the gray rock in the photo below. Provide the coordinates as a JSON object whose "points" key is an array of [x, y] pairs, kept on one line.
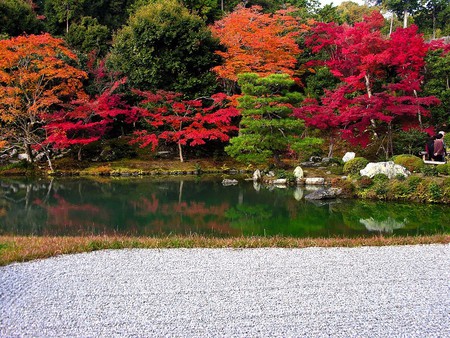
{"points": [[390, 169], [279, 181], [270, 174], [298, 172], [315, 181], [40, 157], [348, 156], [257, 176], [23, 156], [233, 172], [315, 159], [227, 182], [324, 194]]}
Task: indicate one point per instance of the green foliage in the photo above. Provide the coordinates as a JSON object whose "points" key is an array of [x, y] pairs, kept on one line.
{"points": [[437, 78], [409, 142], [355, 165], [443, 169], [17, 17], [413, 182], [166, 47], [364, 182], [429, 170], [267, 128], [88, 35], [410, 162]]}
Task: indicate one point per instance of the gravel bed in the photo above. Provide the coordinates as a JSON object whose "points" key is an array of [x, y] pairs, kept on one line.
{"points": [[401, 291]]}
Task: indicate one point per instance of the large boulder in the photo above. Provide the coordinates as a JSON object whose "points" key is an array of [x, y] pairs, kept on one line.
{"points": [[324, 194], [390, 169], [348, 156], [298, 172]]}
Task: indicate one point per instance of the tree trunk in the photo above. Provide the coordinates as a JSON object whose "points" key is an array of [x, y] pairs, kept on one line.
{"points": [[180, 152], [49, 161], [79, 154], [29, 152], [330, 149], [391, 27], [405, 19]]}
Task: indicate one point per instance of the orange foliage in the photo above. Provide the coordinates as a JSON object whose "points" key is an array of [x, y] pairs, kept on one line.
{"points": [[36, 77], [257, 42]]}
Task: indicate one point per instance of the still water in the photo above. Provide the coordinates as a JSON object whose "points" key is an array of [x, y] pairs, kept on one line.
{"points": [[145, 206]]}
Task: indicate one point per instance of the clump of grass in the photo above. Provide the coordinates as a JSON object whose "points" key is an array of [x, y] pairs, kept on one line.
{"points": [[21, 249]]}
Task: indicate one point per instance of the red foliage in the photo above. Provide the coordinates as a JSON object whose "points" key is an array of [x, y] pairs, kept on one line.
{"points": [[185, 122], [380, 79], [88, 121]]}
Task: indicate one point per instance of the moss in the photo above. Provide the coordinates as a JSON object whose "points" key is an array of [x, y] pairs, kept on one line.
{"points": [[410, 162], [355, 165]]}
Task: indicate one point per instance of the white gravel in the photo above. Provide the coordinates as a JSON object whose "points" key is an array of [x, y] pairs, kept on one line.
{"points": [[316, 292]]}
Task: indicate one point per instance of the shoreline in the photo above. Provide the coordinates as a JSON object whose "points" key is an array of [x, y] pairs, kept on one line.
{"points": [[22, 248]]}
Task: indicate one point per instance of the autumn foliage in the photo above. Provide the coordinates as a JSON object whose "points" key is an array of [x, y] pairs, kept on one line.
{"points": [[184, 122], [380, 81], [36, 77], [257, 42]]}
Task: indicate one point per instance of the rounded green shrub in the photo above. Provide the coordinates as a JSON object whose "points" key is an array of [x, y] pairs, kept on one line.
{"points": [[443, 169], [410, 162], [355, 165]]}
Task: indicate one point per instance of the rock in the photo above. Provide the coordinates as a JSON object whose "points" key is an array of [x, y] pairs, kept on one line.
{"points": [[257, 176], [279, 181], [298, 172], [324, 194], [23, 156], [390, 169], [227, 182], [256, 186], [315, 181], [233, 172], [270, 174], [40, 157], [326, 160], [13, 152], [348, 156], [315, 159]]}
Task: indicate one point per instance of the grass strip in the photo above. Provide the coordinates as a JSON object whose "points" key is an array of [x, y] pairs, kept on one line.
{"points": [[22, 249]]}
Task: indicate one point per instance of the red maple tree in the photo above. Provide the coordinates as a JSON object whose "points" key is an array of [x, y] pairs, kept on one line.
{"points": [[184, 122], [380, 81]]}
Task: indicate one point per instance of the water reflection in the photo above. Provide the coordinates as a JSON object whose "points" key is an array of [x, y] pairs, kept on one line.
{"points": [[149, 207]]}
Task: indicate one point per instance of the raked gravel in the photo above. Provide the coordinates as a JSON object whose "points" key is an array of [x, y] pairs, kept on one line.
{"points": [[399, 291]]}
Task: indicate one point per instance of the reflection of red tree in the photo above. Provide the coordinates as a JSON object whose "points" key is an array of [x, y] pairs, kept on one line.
{"points": [[184, 217], [65, 215]]}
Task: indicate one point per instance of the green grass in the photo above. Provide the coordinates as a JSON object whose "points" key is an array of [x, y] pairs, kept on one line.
{"points": [[22, 249]]}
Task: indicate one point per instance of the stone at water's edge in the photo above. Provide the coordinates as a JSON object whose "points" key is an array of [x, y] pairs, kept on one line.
{"points": [[348, 156], [390, 169], [315, 181], [324, 194], [298, 172], [279, 181], [257, 175]]}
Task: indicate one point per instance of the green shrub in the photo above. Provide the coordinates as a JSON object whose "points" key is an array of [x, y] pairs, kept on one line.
{"points": [[413, 182], [410, 162], [435, 192], [429, 170], [409, 142], [443, 169], [380, 178], [336, 170], [355, 165]]}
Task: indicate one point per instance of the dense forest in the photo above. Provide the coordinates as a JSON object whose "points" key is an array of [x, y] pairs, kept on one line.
{"points": [[259, 80]]}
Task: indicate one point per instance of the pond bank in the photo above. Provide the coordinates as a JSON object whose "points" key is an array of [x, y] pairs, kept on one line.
{"points": [[22, 249]]}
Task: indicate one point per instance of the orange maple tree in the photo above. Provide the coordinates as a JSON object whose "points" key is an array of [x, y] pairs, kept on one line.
{"points": [[257, 42], [37, 76]]}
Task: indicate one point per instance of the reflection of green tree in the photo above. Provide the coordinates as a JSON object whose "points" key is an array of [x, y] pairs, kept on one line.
{"points": [[417, 218]]}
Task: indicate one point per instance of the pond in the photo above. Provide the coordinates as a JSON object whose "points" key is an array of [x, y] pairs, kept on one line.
{"points": [[159, 207]]}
